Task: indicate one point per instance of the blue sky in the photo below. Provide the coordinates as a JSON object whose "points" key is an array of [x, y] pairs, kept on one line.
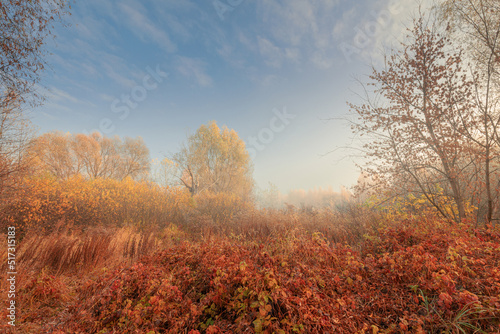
{"points": [[273, 70]]}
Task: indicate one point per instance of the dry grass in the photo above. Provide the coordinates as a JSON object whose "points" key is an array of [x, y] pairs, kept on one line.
{"points": [[71, 251], [348, 226], [76, 252], [50, 268]]}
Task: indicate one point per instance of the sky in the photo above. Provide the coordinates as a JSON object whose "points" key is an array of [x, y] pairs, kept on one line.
{"points": [[278, 72]]}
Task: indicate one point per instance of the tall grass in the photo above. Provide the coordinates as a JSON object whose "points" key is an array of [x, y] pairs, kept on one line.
{"points": [[69, 251]]}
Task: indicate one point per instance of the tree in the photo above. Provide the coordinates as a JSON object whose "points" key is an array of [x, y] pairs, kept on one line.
{"points": [[416, 122], [24, 27], [54, 151], [134, 158], [94, 156], [476, 25], [15, 136], [163, 172], [215, 160], [97, 155], [270, 197]]}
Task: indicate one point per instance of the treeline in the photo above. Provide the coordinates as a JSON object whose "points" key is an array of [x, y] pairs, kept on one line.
{"points": [[212, 160], [86, 180], [92, 156]]}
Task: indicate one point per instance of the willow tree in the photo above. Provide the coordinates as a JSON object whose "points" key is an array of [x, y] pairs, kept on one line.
{"points": [[415, 120], [214, 160]]}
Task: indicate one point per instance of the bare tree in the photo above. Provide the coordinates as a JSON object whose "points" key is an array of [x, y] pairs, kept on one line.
{"points": [[164, 172], [134, 158], [55, 154], [15, 137]]}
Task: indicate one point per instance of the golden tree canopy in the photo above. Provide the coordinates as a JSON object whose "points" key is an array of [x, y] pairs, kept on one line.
{"points": [[215, 160]]}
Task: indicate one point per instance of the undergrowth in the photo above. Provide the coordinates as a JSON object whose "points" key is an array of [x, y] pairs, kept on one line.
{"points": [[263, 272]]}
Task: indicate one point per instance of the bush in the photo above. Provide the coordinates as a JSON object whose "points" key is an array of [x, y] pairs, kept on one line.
{"points": [[45, 203]]}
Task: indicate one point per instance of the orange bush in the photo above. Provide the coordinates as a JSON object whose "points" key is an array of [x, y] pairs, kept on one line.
{"points": [[44, 202]]}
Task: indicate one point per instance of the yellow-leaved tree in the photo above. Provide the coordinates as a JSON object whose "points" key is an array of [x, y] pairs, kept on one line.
{"points": [[215, 160]]}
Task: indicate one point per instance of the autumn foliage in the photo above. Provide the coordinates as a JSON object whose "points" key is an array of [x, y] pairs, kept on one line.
{"points": [[47, 202], [102, 249], [356, 271], [430, 118]]}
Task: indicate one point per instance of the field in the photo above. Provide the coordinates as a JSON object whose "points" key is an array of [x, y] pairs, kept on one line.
{"points": [[349, 270], [100, 235]]}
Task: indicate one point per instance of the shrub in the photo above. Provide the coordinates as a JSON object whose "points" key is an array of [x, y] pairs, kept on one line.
{"points": [[80, 202]]}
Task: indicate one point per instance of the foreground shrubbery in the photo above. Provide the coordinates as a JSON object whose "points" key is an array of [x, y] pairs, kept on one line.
{"points": [[131, 257], [272, 273]]}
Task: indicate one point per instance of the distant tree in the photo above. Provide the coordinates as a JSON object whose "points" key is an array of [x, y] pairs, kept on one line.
{"points": [[215, 160], [163, 172], [316, 198], [270, 197], [98, 155], [134, 158], [55, 154], [415, 124], [93, 156], [15, 137]]}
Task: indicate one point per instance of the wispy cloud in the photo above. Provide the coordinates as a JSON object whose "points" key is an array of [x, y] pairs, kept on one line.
{"points": [[88, 61], [275, 56], [60, 96], [49, 116], [117, 77], [293, 32], [322, 59], [366, 32], [270, 52], [268, 80], [194, 69], [97, 30], [107, 98], [143, 27]]}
